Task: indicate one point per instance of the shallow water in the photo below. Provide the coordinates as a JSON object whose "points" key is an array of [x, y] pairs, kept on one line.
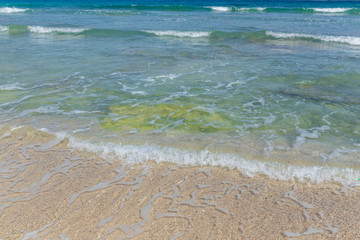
{"points": [[50, 191], [260, 81]]}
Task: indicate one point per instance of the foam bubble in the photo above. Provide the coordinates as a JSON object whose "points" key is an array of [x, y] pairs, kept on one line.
{"points": [[180, 34], [12, 10], [331, 10], [221, 9], [341, 39], [40, 29]]}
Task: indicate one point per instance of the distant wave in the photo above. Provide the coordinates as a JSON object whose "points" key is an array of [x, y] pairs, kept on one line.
{"points": [[180, 33], [18, 29], [258, 36], [110, 9], [109, 12], [12, 10], [259, 9], [221, 9], [39, 29], [331, 10], [150, 7], [300, 10], [235, 9], [325, 38]]}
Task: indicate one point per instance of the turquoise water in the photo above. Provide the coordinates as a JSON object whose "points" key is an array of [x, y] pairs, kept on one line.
{"points": [[269, 82]]}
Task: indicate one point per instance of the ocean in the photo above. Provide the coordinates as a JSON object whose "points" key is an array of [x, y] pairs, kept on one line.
{"points": [[267, 87]]}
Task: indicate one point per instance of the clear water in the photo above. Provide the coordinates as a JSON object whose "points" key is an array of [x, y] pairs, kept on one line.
{"points": [[265, 81]]}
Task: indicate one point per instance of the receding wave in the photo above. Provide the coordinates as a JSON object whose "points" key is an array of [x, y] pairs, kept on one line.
{"points": [[12, 10], [143, 153], [340, 39]]}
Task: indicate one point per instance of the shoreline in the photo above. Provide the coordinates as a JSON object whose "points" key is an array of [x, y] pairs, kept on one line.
{"points": [[55, 192]]}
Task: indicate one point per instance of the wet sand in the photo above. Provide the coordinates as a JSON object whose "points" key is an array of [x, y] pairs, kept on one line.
{"points": [[49, 191]]}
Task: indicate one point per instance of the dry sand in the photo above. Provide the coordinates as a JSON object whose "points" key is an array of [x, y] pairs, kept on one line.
{"points": [[49, 191]]}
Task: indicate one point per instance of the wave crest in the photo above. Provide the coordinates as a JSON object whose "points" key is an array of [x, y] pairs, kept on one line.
{"points": [[12, 10], [331, 10], [39, 29], [325, 38], [220, 9], [181, 33]]}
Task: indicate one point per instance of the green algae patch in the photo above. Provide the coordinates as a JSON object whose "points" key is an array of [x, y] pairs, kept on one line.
{"points": [[8, 96], [169, 116]]}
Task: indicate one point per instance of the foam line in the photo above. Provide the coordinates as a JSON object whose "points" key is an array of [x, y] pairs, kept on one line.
{"points": [[40, 29], [331, 10], [12, 10], [221, 9], [140, 154], [325, 38], [190, 34]]}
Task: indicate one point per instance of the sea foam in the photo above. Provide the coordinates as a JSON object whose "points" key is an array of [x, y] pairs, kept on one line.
{"points": [[12, 10], [331, 10], [340, 39], [40, 29], [190, 34], [251, 9], [220, 9], [4, 28]]}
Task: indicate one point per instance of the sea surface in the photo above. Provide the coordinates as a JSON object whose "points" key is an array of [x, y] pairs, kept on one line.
{"points": [[268, 87]]}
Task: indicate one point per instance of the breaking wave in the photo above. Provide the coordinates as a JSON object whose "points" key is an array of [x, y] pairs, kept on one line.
{"points": [[256, 36], [181, 33], [325, 38], [12, 10]]}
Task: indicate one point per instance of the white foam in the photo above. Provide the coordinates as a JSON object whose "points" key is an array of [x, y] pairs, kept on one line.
{"points": [[144, 153], [311, 133], [341, 39], [40, 29], [12, 10], [252, 9], [220, 9], [180, 33], [4, 28], [331, 10], [11, 86]]}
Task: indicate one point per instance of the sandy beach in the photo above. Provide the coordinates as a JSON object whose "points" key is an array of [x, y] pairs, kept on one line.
{"points": [[50, 191], [181, 119]]}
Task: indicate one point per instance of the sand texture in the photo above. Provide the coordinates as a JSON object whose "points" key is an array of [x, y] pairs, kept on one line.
{"points": [[49, 191]]}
